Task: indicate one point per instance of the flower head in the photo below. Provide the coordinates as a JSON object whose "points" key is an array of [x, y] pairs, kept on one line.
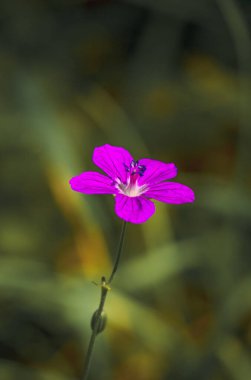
{"points": [[133, 183]]}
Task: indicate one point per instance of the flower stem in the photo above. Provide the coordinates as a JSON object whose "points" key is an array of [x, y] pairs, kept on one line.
{"points": [[119, 251], [95, 329], [98, 319]]}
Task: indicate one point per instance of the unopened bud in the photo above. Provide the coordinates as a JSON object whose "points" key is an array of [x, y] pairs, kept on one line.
{"points": [[100, 320]]}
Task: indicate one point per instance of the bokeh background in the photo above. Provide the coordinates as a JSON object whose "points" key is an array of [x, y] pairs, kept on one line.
{"points": [[166, 79]]}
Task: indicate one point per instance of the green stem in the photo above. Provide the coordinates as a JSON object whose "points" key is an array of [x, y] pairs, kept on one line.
{"points": [[119, 251], [104, 290], [99, 319]]}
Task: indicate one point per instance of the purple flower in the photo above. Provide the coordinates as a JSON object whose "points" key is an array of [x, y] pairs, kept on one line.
{"points": [[133, 183]]}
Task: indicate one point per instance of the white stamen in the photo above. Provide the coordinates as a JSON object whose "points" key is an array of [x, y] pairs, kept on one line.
{"points": [[131, 189]]}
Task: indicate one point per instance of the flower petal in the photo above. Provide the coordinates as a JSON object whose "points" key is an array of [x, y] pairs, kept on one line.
{"points": [[92, 183], [171, 192], [156, 171], [112, 160], [135, 209]]}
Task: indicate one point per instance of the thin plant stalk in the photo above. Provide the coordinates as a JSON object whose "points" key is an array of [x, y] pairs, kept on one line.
{"points": [[119, 251], [99, 319]]}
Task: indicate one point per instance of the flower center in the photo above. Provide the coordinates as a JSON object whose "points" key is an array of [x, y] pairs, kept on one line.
{"points": [[131, 188]]}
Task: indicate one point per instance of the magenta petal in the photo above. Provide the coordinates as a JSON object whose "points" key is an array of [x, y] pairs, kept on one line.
{"points": [[171, 192], [156, 171], [112, 160], [135, 209], [92, 183]]}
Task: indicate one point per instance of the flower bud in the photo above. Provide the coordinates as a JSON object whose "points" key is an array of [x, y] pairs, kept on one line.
{"points": [[100, 320]]}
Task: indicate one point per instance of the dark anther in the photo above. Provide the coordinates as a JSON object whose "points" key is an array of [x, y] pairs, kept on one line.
{"points": [[134, 163], [135, 168], [142, 169], [100, 320], [127, 169]]}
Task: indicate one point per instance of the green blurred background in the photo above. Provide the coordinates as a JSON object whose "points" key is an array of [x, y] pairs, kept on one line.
{"points": [[166, 79]]}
